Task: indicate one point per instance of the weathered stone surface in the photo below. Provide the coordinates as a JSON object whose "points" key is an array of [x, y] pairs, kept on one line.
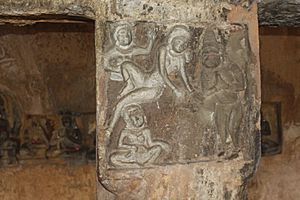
{"points": [[171, 108], [48, 181], [278, 176], [36, 61], [206, 180], [56, 7], [279, 13], [184, 110]]}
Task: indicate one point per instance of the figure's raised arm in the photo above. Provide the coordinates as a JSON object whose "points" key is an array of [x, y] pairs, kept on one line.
{"points": [[233, 77], [121, 143], [184, 76], [164, 73], [144, 51]]}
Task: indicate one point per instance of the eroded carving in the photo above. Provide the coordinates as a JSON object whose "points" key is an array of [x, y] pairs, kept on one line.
{"points": [[135, 146], [145, 87], [8, 143], [190, 87], [66, 139], [221, 81], [124, 49]]}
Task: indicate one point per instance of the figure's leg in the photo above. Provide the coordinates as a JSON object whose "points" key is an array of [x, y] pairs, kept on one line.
{"points": [[120, 159], [206, 117], [235, 120], [138, 96], [150, 156], [221, 120], [133, 77], [163, 145]]}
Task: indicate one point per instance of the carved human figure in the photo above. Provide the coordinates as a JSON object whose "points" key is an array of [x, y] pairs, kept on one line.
{"points": [[66, 139], [174, 56], [4, 123], [8, 144], [221, 82], [135, 146], [146, 87], [123, 50], [36, 136]]}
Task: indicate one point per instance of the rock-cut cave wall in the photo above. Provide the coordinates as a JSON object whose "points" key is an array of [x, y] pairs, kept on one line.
{"points": [[47, 77]]}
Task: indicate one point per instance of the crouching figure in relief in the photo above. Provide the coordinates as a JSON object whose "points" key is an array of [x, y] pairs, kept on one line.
{"points": [[135, 146]]}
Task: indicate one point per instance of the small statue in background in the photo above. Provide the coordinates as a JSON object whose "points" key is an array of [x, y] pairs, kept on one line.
{"points": [[4, 124], [68, 139], [91, 151], [36, 137], [8, 145]]}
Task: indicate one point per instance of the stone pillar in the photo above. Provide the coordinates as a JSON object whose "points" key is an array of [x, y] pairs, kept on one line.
{"points": [[178, 100]]}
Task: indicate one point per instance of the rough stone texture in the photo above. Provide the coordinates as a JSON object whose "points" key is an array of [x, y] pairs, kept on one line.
{"points": [[212, 13], [280, 70], [46, 68], [175, 135], [49, 67], [192, 181], [47, 71], [278, 175], [279, 13], [38, 180]]}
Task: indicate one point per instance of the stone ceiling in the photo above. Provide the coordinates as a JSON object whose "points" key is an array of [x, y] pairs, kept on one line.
{"points": [[279, 13]]}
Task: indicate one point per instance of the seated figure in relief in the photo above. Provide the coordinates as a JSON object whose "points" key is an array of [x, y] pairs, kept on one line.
{"points": [[135, 145], [67, 139]]}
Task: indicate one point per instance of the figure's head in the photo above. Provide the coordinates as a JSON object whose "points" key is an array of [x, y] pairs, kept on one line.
{"points": [[211, 58], [179, 38], [179, 44], [134, 116], [123, 35], [67, 121], [211, 50], [2, 108]]}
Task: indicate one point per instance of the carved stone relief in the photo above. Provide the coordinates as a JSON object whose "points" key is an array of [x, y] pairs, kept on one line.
{"points": [[178, 93], [69, 136], [52, 136]]}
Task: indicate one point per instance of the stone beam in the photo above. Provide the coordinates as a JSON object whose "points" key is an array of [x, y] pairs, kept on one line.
{"points": [[279, 13]]}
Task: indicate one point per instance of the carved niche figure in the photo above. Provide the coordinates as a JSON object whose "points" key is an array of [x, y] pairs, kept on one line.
{"points": [[8, 144], [146, 87], [221, 83], [123, 50], [36, 136], [67, 139], [135, 146], [4, 124]]}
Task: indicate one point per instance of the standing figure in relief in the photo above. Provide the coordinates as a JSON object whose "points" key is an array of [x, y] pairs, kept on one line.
{"points": [[123, 50], [135, 146], [146, 87], [221, 82]]}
